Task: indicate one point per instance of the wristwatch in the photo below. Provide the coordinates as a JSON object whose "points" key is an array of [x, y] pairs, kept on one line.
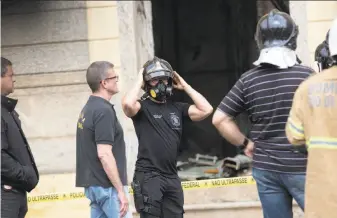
{"points": [[244, 144]]}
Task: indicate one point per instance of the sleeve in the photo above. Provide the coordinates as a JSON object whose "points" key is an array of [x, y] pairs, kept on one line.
{"points": [[11, 169], [104, 125], [234, 102], [294, 127], [140, 112], [183, 107]]}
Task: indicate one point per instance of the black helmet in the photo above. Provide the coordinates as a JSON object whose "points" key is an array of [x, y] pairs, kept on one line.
{"points": [[157, 68], [322, 56], [276, 29]]}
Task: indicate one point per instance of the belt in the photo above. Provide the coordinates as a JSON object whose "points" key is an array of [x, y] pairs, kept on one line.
{"points": [[15, 190]]}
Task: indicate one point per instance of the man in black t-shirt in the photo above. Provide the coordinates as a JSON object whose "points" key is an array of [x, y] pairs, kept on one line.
{"points": [[100, 147], [158, 123]]}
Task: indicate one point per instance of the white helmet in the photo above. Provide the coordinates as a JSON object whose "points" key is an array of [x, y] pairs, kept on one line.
{"points": [[333, 38]]}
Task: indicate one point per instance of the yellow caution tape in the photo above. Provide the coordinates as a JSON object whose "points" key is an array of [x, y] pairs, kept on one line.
{"points": [[55, 197], [197, 184]]}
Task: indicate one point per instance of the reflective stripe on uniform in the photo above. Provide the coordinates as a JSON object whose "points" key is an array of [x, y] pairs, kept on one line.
{"points": [[296, 129], [322, 142]]}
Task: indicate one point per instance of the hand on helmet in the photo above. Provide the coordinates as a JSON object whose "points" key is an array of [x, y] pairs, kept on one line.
{"points": [[141, 77], [178, 82]]}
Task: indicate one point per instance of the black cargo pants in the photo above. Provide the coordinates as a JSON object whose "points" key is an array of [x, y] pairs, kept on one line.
{"points": [[157, 196]]}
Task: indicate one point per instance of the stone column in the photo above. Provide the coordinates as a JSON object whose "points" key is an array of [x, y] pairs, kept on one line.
{"points": [[136, 47], [298, 11]]}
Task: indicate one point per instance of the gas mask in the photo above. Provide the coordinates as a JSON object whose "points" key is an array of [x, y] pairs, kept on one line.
{"points": [[161, 91], [158, 69]]}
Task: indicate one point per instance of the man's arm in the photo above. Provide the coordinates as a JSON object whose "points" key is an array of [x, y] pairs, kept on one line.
{"points": [[12, 170], [294, 126], [227, 128], [201, 108], [108, 161], [104, 122], [223, 119], [130, 103]]}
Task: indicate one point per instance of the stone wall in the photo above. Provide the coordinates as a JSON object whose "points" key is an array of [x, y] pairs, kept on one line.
{"points": [[320, 15], [314, 19], [48, 45], [136, 47], [51, 44]]}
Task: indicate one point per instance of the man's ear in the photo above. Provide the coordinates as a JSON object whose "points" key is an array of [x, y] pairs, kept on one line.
{"points": [[103, 83]]}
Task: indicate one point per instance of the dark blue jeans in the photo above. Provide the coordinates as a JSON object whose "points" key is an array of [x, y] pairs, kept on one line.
{"points": [[277, 191]]}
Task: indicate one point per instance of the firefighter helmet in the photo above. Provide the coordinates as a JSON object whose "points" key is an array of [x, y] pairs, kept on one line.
{"points": [[276, 29]]}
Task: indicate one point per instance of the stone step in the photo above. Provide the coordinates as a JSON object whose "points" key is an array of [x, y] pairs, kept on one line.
{"points": [[251, 209], [80, 208], [221, 194]]}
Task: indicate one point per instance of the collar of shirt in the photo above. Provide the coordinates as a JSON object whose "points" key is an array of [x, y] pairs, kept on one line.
{"points": [[100, 99], [8, 103]]}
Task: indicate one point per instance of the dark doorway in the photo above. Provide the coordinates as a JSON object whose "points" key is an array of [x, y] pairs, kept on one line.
{"points": [[210, 44]]}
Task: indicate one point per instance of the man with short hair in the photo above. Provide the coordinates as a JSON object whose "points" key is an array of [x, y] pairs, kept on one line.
{"points": [[19, 173], [266, 92], [158, 122], [100, 146], [313, 122]]}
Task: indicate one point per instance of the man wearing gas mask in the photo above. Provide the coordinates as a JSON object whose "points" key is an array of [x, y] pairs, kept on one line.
{"points": [[266, 92], [313, 122], [158, 122], [322, 55]]}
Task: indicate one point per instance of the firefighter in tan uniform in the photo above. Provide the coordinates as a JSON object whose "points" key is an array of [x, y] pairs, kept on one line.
{"points": [[313, 120]]}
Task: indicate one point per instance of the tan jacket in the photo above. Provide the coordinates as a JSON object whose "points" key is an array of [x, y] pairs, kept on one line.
{"points": [[313, 120]]}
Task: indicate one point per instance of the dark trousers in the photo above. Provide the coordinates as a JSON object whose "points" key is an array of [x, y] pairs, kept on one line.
{"points": [[161, 197], [13, 204]]}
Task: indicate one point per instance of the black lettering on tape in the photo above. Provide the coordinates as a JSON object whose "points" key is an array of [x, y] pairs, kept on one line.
{"points": [[193, 184], [231, 181], [217, 182], [185, 185], [43, 198], [77, 195]]}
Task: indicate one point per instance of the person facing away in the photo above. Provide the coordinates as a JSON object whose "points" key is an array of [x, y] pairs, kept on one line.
{"points": [[158, 123], [323, 58], [313, 121], [265, 92], [100, 147], [19, 173]]}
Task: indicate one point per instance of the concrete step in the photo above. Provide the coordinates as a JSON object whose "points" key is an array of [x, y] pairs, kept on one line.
{"points": [[241, 193], [80, 208], [251, 209]]}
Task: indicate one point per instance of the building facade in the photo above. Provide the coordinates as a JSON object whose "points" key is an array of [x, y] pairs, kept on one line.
{"points": [[51, 44]]}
